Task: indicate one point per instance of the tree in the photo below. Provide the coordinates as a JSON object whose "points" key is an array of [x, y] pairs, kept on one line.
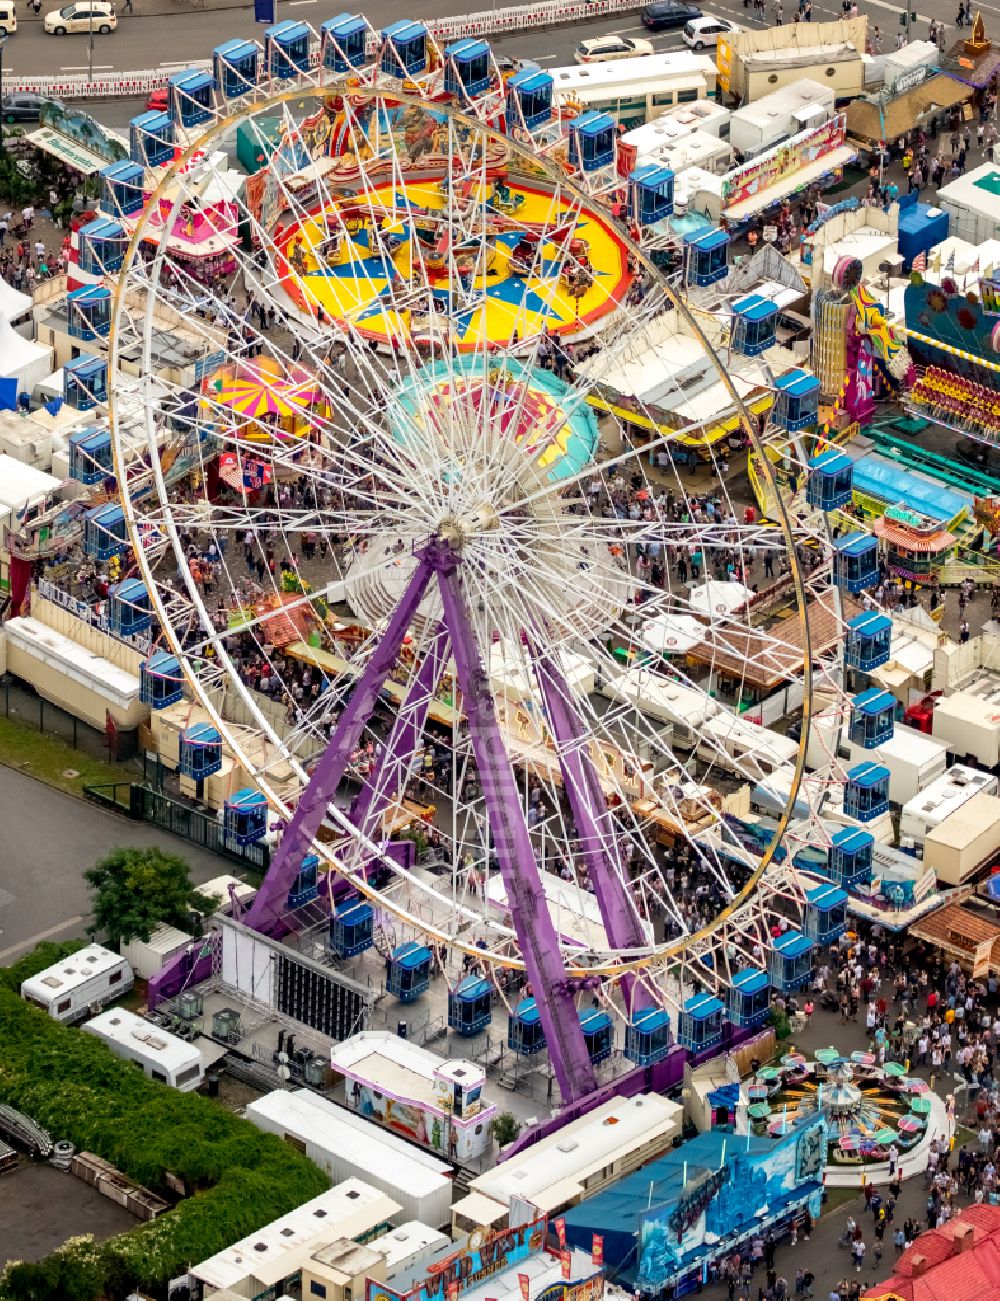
{"points": [[136, 890], [505, 1128]]}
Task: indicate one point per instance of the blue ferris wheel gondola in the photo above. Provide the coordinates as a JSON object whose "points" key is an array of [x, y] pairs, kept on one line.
{"points": [[700, 1024], [748, 998], [245, 816], [524, 1029], [130, 608], [200, 751], [409, 971], [161, 682], [352, 928], [470, 1005], [344, 42], [648, 1037]]}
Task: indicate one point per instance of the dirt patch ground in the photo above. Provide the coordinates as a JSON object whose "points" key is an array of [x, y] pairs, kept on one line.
{"points": [[41, 1207]]}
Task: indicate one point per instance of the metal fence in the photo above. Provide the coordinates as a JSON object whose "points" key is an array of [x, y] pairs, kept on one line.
{"points": [[198, 827], [22, 705]]}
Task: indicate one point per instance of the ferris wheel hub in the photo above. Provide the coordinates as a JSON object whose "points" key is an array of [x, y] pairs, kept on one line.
{"points": [[457, 530]]}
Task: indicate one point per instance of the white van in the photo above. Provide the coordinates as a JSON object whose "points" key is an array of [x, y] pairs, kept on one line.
{"points": [[69, 989], [8, 18], [163, 1057]]}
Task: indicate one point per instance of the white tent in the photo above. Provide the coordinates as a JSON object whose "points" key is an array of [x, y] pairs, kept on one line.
{"points": [[672, 634], [12, 302], [21, 359], [718, 598]]}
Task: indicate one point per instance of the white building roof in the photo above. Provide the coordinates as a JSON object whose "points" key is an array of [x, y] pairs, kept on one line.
{"points": [[398, 1246], [968, 192], [369, 1147], [404, 1068], [797, 94], [272, 1253], [554, 1171], [950, 791], [23, 485], [82, 666], [12, 302], [94, 960], [132, 1031]]}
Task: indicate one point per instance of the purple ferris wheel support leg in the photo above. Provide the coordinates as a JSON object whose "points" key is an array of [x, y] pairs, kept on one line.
{"points": [[267, 911], [389, 776], [525, 897], [594, 822]]}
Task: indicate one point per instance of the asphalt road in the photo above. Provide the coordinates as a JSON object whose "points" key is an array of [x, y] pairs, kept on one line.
{"points": [[48, 841], [150, 37]]}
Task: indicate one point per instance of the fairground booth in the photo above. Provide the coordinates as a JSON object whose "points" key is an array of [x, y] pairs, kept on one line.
{"points": [[503, 1265], [664, 1225]]}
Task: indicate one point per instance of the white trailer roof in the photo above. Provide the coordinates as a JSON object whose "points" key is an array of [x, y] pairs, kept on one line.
{"points": [[22, 484], [273, 1252], [973, 191], [369, 1147], [71, 972], [947, 793], [553, 1171], [399, 1245], [94, 672], [132, 1031]]}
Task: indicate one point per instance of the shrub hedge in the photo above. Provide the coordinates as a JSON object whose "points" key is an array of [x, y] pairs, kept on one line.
{"points": [[238, 1178]]}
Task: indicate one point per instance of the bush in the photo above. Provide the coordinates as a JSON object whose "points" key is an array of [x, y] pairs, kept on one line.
{"points": [[781, 1023], [237, 1177], [505, 1128]]}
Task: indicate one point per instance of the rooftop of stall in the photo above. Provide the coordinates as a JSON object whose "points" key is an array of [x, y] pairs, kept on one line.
{"points": [[622, 1212], [922, 226], [256, 140]]}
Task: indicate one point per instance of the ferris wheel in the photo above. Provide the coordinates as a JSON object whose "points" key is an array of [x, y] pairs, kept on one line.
{"points": [[418, 565]]}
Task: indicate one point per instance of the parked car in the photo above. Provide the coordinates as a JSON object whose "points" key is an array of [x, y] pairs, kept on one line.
{"points": [[659, 15], [600, 48], [8, 18], [83, 16], [706, 31], [158, 100], [23, 107]]}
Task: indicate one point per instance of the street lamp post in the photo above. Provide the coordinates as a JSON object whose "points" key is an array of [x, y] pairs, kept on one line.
{"points": [[90, 52], [3, 42]]}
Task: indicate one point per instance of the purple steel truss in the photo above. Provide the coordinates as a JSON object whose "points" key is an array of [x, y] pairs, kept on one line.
{"points": [[594, 823], [267, 912], [554, 994], [554, 991]]}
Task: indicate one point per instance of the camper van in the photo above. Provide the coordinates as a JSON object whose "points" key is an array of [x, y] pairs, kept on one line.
{"points": [[162, 1056], [70, 990]]}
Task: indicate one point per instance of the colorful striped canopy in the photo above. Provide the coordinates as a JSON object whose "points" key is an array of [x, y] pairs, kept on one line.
{"points": [[264, 388]]}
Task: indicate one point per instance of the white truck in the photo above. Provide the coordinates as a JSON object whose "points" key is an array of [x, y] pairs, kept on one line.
{"points": [[968, 725], [71, 989], [775, 117]]}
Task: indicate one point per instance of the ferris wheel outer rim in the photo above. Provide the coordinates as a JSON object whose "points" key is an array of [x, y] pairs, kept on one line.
{"points": [[607, 969]]}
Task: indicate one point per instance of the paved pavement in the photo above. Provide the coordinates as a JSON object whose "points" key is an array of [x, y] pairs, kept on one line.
{"points": [[41, 1207], [48, 841], [175, 31]]}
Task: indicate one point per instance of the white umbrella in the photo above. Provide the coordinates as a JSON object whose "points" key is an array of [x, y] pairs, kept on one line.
{"points": [[716, 598], [672, 634]]}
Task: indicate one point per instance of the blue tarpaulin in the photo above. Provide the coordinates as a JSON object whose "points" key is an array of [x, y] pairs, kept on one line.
{"points": [[8, 394]]}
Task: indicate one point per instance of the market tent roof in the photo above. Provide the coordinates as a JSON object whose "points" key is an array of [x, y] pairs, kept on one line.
{"points": [[12, 302], [867, 120], [21, 359], [68, 150]]}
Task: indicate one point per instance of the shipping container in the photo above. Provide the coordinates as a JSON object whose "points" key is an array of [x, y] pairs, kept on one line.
{"points": [[969, 726], [966, 842], [147, 957]]}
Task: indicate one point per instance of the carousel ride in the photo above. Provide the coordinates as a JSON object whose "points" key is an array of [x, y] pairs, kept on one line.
{"points": [[479, 710], [867, 1108]]}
